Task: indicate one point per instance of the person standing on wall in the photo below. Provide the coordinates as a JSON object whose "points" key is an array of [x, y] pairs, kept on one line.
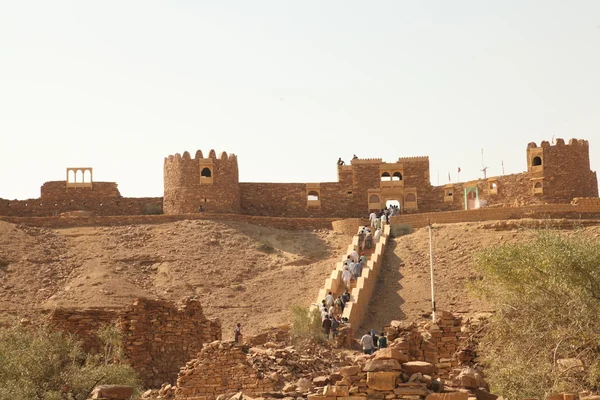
{"points": [[237, 333]]}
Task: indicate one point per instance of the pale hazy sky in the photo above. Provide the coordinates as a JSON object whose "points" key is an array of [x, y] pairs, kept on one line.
{"points": [[289, 86]]}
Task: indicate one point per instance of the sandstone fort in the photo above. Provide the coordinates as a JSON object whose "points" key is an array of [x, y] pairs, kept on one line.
{"points": [[556, 174]]}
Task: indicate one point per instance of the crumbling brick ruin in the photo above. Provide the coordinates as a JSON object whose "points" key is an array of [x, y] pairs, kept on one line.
{"points": [[555, 175], [158, 336]]}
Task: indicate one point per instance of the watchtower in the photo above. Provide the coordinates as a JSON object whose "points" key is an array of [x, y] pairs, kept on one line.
{"points": [[562, 171], [201, 183]]}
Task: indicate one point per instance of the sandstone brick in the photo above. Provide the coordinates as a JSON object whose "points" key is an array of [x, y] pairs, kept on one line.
{"points": [[382, 365], [391, 353], [448, 396], [382, 380]]}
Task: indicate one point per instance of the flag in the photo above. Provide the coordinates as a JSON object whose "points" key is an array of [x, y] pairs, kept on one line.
{"points": [[449, 179], [459, 170], [552, 139]]}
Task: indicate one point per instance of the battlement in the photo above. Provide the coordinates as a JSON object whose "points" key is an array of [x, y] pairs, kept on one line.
{"points": [[212, 155], [579, 143], [413, 159], [366, 161]]}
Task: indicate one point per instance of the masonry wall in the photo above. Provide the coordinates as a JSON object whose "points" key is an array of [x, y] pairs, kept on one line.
{"points": [[272, 222], [500, 213], [185, 192], [566, 171], [158, 337], [103, 198], [220, 368]]}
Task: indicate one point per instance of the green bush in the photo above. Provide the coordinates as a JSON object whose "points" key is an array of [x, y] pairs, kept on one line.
{"points": [[38, 363], [306, 324], [152, 209], [547, 296], [398, 230]]}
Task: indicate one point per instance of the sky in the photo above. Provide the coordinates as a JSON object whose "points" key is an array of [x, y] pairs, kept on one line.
{"points": [[290, 86]]}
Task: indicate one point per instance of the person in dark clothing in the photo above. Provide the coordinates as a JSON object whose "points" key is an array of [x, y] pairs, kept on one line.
{"points": [[346, 297], [237, 333], [382, 341], [375, 339], [326, 325]]}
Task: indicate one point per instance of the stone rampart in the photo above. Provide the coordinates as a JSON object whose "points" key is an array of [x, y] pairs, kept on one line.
{"points": [[500, 213], [158, 336], [271, 222]]}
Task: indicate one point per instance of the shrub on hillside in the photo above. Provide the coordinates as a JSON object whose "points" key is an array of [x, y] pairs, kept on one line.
{"points": [[306, 324], [38, 363], [547, 296]]}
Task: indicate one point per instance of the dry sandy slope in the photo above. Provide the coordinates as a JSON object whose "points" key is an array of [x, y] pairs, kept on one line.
{"points": [[241, 272], [403, 290]]}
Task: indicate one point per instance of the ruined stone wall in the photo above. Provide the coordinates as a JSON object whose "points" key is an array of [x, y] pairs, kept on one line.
{"points": [[220, 368], [158, 337], [186, 190], [101, 199]]}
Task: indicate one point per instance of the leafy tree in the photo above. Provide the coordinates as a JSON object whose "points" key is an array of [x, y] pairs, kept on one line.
{"points": [[42, 364], [547, 296]]}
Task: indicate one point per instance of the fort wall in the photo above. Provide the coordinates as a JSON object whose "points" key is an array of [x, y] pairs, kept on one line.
{"points": [[555, 175], [158, 337]]}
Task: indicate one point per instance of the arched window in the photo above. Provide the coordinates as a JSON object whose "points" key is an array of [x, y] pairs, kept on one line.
{"points": [[494, 185], [71, 176], [397, 176], [411, 198], [385, 177], [313, 196], [206, 172], [536, 161], [87, 176], [79, 176], [538, 185], [374, 199]]}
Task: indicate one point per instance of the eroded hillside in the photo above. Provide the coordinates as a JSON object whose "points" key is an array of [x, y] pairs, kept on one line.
{"points": [[403, 289], [241, 272]]}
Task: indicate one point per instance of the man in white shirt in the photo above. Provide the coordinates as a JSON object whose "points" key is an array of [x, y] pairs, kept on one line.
{"points": [[372, 218], [377, 235], [354, 255], [367, 343], [347, 277], [383, 219], [329, 300]]}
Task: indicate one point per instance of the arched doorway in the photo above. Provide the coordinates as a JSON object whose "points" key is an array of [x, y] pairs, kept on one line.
{"points": [[395, 206], [471, 198]]}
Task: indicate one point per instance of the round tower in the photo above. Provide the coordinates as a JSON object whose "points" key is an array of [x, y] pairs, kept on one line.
{"points": [[201, 183]]}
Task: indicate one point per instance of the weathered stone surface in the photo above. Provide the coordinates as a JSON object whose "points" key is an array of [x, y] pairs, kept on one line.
{"points": [[448, 396], [484, 395], [469, 379], [336, 391], [382, 365], [391, 353], [112, 392], [411, 391], [413, 367], [563, 396], [321, 381], [382, 380], [348, 371]]}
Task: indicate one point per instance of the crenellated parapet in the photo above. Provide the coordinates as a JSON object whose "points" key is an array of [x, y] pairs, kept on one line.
{"points": [[578, 143], [201, 183]]}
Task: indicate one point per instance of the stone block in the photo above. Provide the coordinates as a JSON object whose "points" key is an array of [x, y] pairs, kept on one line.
{"points": [[448, 396], [336, 391], [349, 371], [483, 395], [112, 392], [382, 365], [391, 353], [411, 391], [382, 380], [413, 367]]}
